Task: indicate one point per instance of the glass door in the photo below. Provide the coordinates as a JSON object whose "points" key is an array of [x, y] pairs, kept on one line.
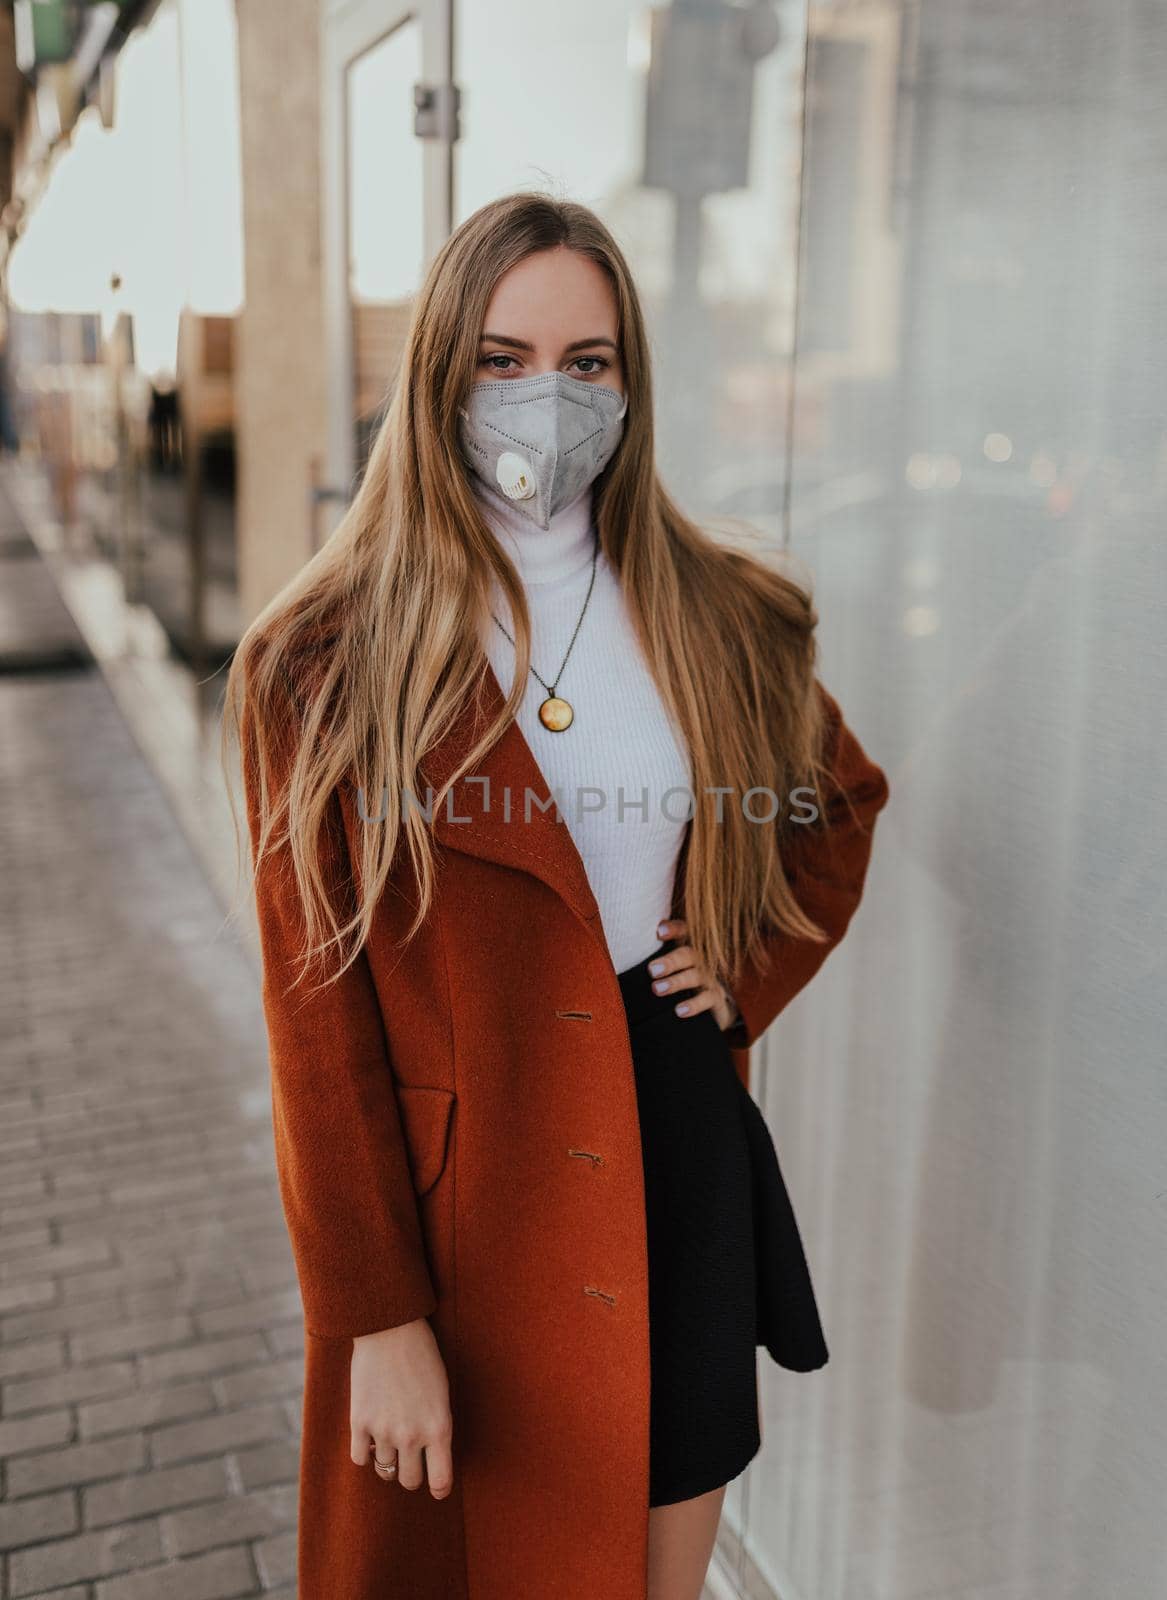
{"points": [[389, 125]]}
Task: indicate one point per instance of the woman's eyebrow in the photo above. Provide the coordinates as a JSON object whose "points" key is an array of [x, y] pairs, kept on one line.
{"points": [[523, 344]]}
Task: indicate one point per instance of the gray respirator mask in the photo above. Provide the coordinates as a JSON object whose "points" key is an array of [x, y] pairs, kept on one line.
{"points": [[540, 441]]}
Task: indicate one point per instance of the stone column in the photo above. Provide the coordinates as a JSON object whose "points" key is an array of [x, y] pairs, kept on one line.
{"points": [[281, 370]]}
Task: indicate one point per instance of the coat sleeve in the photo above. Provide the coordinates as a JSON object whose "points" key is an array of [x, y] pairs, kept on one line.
{"points": [[825, 867], [344, 1178]]}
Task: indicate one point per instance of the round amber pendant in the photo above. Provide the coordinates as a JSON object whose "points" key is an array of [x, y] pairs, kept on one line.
{"points": [[556, 714]]}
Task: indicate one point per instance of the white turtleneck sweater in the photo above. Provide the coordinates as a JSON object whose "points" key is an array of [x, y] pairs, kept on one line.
{"points": [[622, 743]]}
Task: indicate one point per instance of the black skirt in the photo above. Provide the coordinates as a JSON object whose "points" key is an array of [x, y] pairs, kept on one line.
{"points": [[727, 1271]]}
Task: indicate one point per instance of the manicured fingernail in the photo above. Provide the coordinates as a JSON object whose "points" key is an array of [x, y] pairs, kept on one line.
{"points": [[662, 930], [683, 1009], [661, 986], [654, 967]]}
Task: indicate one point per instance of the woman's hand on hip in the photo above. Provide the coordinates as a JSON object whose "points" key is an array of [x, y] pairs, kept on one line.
{"points": [[399, 1407], [679, 970]]}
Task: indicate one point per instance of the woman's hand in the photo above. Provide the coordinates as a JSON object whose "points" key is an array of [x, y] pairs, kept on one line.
{"points": [[399, 1406], [678, 969]]}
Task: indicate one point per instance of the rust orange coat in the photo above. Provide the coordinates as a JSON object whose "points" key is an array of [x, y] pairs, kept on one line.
{"points": [[425, 1109]]}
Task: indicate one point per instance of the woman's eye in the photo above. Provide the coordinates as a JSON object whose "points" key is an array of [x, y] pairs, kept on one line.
{"points": [[499, 361]]}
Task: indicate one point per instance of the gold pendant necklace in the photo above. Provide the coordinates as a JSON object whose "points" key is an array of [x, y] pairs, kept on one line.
{"points": [[556, 713]]}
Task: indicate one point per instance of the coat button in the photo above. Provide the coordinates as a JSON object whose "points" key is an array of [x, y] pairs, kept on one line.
{"points": [[515, 477]]}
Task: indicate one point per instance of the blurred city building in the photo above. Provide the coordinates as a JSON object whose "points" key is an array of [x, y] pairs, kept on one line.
{"points": [[902, 264], [197, 155], [123, 278]]}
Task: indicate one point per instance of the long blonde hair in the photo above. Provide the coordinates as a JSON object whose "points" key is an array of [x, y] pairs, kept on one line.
{"points": [[359, 664]]}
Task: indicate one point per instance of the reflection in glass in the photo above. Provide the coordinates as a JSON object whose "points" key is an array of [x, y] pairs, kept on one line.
{"points": [[957, 276]]}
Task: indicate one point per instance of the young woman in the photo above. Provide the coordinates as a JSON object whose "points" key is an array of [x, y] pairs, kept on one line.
{"points": [[550, 816]]}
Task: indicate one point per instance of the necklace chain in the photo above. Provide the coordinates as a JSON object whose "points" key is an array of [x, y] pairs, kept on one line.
{"points": [[550, 687]]}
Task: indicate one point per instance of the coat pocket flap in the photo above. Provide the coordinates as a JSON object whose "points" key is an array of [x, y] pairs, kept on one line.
{"points": [[425, 1119]]}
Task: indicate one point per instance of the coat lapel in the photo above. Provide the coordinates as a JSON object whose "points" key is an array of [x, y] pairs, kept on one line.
{"points": [[504, 811]]}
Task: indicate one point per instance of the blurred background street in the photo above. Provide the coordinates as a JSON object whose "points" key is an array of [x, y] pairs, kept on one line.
{"points": [[902, 263], [149, 1323]]}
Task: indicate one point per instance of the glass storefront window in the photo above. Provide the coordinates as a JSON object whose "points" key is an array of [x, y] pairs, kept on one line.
{"points": [[386, 243]]}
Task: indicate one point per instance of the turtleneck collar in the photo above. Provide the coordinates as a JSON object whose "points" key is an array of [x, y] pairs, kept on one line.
{"points": [[542, 555]]}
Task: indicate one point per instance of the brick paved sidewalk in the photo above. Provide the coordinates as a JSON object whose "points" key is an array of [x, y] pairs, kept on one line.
{"points": [[150, 1355]]}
